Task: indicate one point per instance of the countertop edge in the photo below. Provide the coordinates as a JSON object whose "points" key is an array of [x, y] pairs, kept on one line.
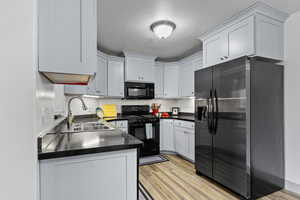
{"points": [[78, 152]]}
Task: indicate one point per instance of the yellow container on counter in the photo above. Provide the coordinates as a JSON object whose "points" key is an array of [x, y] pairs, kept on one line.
{"points": [[110, 110]]}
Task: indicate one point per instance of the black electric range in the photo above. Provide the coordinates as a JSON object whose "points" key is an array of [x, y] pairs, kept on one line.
{"points": [[143, 126]]}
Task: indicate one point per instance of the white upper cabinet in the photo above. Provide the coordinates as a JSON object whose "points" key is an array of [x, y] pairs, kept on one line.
{"points": [[139, 68], [115, 77], [186, 86], [67, 36], [171, 80], [241, 39], [98, 85], [269, 37], [215, 49], [188, 66], [258, 31], [159, 79]]}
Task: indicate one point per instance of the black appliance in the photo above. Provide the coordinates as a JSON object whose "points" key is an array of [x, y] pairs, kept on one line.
{"points": [[134, 90], [239, 126], [143, 126]]}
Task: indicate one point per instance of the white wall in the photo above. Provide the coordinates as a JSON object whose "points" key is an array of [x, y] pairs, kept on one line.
{"points": [[50, 100], [17, 105], [186, 105], [292, 100]]}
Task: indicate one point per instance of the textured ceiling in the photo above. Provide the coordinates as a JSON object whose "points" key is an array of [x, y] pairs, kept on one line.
{"points": [[123, 25]]}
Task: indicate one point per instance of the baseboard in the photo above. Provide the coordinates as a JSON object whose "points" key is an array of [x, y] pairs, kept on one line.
{"points": [[293, 188]]}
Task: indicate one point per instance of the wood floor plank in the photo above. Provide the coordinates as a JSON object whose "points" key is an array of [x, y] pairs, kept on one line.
{"points": [[177, 180]]}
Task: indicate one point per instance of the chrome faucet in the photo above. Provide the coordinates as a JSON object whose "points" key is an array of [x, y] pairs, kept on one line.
{"points": [[70, 116]]}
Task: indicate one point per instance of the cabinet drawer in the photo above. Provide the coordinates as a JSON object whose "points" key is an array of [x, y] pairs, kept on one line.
{"points": [[184, 124]]}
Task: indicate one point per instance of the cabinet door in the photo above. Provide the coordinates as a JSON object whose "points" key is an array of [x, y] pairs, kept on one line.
{"points": [[241, 39], [90, 177], [67, 36], [98, 83], [115, 78], [180, 141], [215, 49], [132, 69], [138, 69], [159, 80], [190, 134], [186, 86], [101, 77], [168, 135], [171, 82], [147, 71], [269, 37]]}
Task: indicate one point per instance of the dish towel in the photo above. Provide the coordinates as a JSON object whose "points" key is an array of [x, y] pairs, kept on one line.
{"points": [[149, 131]]}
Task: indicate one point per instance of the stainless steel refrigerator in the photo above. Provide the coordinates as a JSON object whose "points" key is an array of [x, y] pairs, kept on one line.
{"points": [[239, 139]]}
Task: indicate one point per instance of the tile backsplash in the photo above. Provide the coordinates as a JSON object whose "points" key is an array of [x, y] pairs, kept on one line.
{"points": [[186, 105]]}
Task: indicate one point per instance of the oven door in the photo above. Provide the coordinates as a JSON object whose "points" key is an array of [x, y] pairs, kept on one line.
{"points": [[149, 134]]}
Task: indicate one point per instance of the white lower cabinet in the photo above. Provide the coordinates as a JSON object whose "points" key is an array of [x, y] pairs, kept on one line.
{"points": [[180, 141], [181, 135], [108, 176], [167, 135]]}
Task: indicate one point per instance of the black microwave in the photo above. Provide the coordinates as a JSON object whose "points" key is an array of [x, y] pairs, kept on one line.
{"points": [[135, 90]]}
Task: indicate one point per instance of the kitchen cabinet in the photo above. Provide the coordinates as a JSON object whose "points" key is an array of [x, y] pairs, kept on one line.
{"points": [[186, 86], [180, 141], [241, 39], [139, 68], [67, 36], [159, 79], [91, 176], [98, 84], [167, 135], [178, 136], [256, 32], [115, 76], [184, 134], [232, 43], [214, 49], [171, 80]]}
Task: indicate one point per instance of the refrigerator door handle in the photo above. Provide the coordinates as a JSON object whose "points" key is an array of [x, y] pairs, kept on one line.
{"points": [[208, 115], [210, 111], [216, 112]]}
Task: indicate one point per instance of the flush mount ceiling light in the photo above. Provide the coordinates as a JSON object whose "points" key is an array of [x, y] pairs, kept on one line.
{"points": [[163, 29]]}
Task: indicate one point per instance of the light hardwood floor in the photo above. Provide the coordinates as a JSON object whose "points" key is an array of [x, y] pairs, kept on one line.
{"points": [[176, 180]]}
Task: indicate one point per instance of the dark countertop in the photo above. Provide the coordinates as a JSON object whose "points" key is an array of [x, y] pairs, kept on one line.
{"points": [[181, 116], [57, 145]]}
